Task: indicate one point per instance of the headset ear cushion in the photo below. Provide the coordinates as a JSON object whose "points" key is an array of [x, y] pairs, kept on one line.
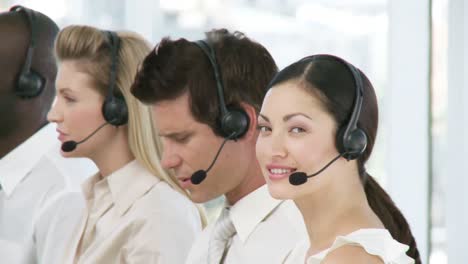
{"points": [[354, 145], [29, 85], [115, 111], [235, 123], [357, 143]]}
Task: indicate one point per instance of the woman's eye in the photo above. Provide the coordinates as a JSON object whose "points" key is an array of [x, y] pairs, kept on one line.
{"points": [[297, 130], [263, 128]]}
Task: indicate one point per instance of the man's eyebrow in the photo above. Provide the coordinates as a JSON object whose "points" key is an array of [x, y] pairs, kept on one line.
{"points": [[176, 134], [64, 89]]}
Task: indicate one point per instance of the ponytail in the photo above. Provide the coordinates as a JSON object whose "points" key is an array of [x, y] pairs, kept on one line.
{"points": [[390, 215]]}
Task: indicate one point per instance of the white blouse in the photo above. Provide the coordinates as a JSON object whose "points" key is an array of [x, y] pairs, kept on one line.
{"points": [[377, 242], [133, 217]]}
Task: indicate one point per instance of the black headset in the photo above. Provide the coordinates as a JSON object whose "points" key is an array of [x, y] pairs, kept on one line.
{"points": [[233, 123], [114, 109], [350, 139], [29, 83]]}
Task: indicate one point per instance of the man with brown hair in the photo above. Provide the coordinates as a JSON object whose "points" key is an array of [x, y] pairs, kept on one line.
{"points": [[37, 209], [205, 97]]}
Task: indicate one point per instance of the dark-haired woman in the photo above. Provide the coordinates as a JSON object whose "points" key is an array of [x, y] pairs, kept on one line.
{"points": [[323, 111]]}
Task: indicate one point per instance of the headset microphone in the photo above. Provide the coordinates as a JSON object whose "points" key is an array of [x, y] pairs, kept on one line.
{"points": [[200, 175], [299, 178], [233, 123], [69, 146], [351, 141], [114, 108]]}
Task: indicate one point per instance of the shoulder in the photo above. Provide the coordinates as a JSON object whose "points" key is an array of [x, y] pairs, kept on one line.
{"points": [[48, 167], [60, 214], [164, 220], [164, 198], [75, 170], [164, 205], [45, 180], [365, 246], [351, 254], [65, 203]]}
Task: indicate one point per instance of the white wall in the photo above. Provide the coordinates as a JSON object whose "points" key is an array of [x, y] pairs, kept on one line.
{"points": [[457, 187], [407, 112]]}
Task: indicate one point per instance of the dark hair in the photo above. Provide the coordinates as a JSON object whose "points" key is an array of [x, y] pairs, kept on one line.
{"points": [[176, 67], [330, 80]]}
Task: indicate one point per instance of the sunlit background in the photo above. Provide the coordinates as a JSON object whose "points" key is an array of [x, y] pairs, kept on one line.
{"points": [[402, 46]]}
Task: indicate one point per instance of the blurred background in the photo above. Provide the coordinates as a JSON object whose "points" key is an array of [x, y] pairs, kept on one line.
{"points": [[412, 51]]}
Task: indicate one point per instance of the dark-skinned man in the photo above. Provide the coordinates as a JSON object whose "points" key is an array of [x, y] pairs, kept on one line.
{"points": [[38, 209]]}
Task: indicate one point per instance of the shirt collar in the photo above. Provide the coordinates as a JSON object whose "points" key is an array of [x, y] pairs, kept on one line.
{"points": [[20, 161], [126, 185], [251, 210]]}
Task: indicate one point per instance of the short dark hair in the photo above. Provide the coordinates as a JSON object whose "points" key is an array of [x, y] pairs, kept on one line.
{"points": [[176, 67]]}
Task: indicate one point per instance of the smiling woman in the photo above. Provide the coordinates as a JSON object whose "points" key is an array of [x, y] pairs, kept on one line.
{"points": [[318, 109], [304, 124]]}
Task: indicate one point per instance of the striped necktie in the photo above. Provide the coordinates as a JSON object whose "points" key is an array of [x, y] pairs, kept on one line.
{"points": [[224, 229]]}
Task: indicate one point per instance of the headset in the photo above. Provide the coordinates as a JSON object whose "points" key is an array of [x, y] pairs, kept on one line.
{"points": [[114, 109], [233, 123], [351, 140], [29, 83]]}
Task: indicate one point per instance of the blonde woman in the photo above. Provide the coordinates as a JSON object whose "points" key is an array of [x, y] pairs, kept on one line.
{"points": [[135, 212]]}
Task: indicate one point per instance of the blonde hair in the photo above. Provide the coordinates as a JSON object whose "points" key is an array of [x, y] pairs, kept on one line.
{"points": [[90, 48]]}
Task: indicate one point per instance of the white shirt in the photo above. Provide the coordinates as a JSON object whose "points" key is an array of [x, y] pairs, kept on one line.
{"points": [[267, 230], [133, 217], [37, 208], [377, 242]]}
